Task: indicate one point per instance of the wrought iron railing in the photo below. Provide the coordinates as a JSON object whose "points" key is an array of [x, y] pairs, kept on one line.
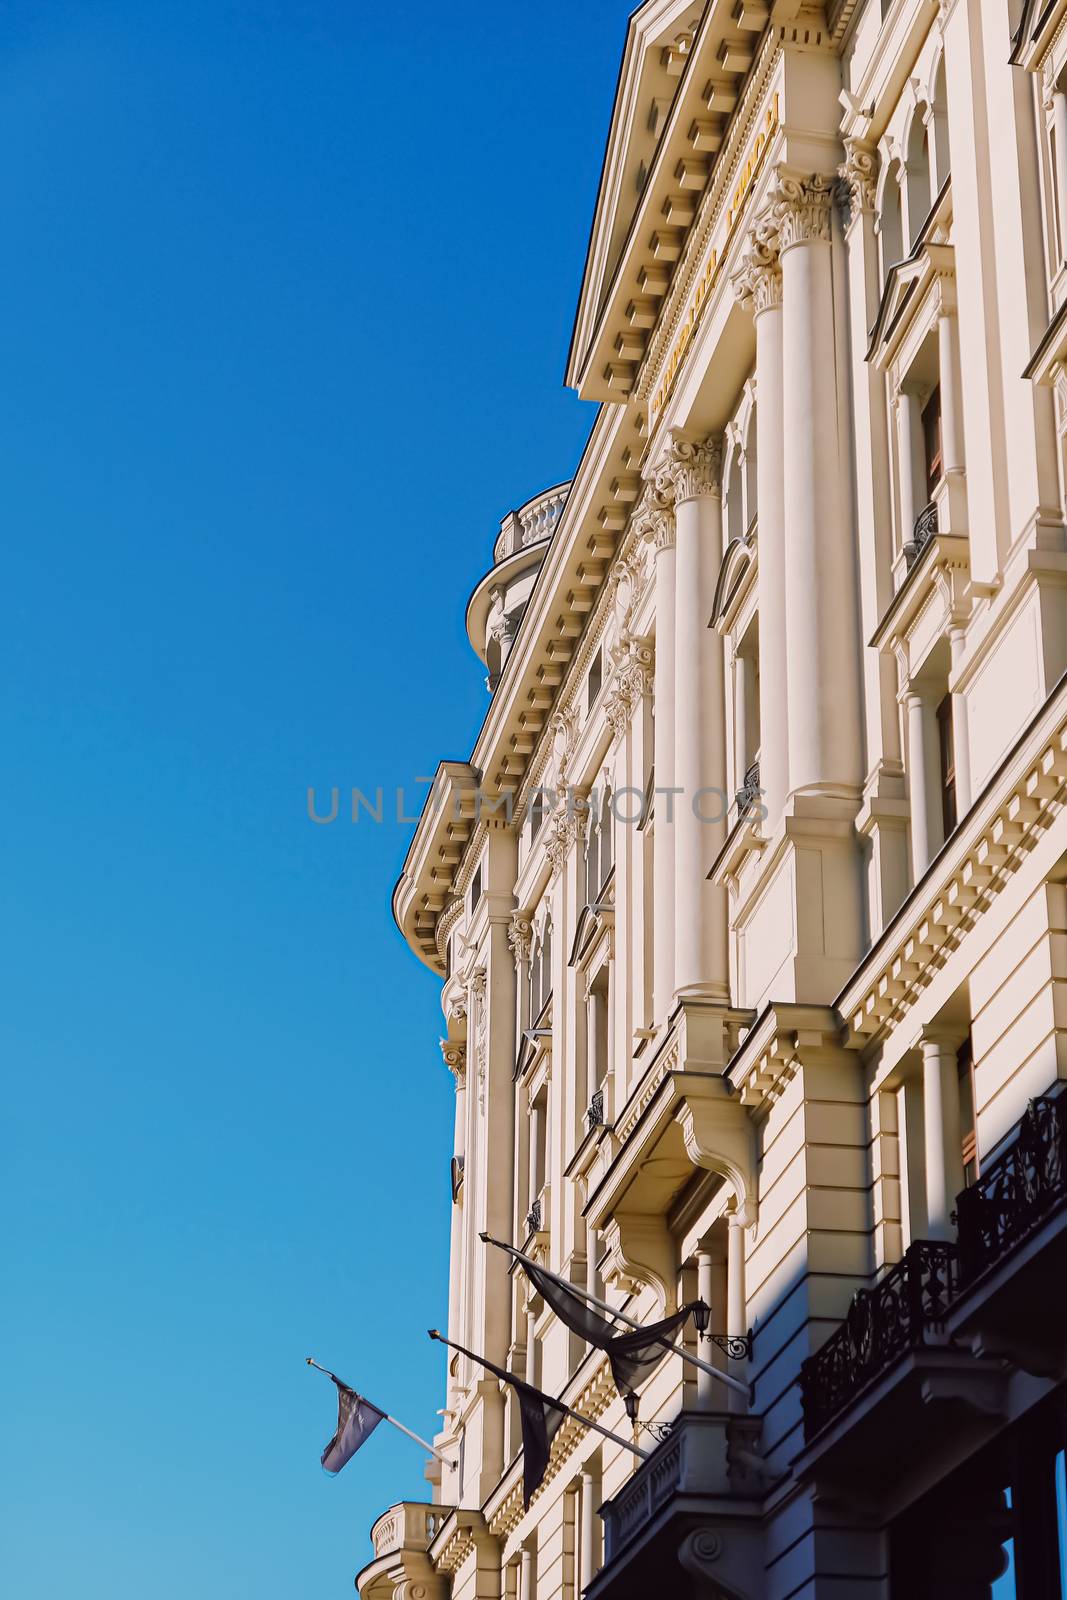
{"points": [[922, 533], [1016, 1191], [749, 791], [882, 1324], [533, 1217], [594, 1117]]}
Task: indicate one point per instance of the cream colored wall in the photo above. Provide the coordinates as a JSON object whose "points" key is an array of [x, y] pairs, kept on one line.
{"points": [[817, 904]]}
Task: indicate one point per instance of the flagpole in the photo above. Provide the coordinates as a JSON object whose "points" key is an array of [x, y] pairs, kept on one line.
{"points": [[612, 1311], [558, 1405], [426, 1445]]}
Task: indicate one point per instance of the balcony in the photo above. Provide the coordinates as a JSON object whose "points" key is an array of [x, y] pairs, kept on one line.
{"points": [[1012, 1225], [695, 1501], [401, 1538], [944, 1323], [407, 1526]]}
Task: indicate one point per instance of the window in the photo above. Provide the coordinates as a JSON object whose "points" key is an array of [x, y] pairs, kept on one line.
{"points": [[594, 681], [541, 971], [476, 888], [968, 1134], [931, 426], [947, 750], [598, 847], [538, 808]]}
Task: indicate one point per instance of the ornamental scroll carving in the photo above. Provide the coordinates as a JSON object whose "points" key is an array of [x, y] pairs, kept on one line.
{"points": [[802, 210], [859, 176], [520, 937], [690, 469], [653, 521], [758, 282]]}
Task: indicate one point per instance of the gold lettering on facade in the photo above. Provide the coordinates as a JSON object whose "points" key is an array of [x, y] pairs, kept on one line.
{"points": [[746, 179]]}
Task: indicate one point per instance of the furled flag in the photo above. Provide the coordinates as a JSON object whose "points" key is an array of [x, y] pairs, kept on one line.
{"points": [[539, 1419], [634, 1355], [356, 1421]]}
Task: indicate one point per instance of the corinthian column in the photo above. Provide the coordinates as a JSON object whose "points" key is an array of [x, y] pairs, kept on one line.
{"points": [[822, 637], [700, 945], [657, 524], [759, 286]]}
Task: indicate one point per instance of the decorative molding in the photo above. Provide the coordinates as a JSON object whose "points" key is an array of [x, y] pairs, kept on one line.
{"points": [[455, 1056]]}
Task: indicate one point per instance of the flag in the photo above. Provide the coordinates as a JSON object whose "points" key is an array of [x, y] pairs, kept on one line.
{"points": [[633, 1355], [356, 1421], [539, 1420]]}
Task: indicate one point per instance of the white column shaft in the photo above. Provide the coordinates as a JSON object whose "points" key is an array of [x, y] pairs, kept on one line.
{"points": [[664, 804], [736, 1300], [822, 637], [705, 1382], [700, 912], [941, 1118], [918, 786], [770, 496], [1059, 113], [949, 364], [587, 1530]]}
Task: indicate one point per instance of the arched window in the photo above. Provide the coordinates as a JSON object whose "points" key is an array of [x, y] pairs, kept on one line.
{"points": [[750, 470], [918, 170], [890, 220], [735, 510], [598, 847], [942, 163], [541, 969]]}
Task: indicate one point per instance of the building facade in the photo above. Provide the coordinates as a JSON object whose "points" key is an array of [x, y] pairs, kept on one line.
{"points": [[750, 905]]}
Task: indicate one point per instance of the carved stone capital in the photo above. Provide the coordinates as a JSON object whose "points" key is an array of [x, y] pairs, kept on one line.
{"points": [[691, 469], [520, 936], [634, 677], [802, 210], [654, 517], [859, 176], [758, 281]]}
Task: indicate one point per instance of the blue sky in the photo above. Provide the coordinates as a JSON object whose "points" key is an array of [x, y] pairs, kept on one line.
{"points": [[285, 302]]}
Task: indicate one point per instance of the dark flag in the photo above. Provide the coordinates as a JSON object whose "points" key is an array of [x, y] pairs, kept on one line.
{"points": [[633, 1355], [356, 1421], [539, 1418]]}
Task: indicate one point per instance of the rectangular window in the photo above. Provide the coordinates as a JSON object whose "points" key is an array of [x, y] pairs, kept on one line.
{"points": [[968, 1132], [947, 750], [931, 424], [595, 679], [476, 887]]}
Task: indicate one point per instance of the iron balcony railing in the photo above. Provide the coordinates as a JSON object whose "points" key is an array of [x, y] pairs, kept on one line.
{"points": [[882, 1324], [924, 530], [1017, 1190], [594, 1117]]}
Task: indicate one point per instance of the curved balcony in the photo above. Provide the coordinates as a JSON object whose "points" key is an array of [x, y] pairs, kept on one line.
{"points": [[495, 609]]}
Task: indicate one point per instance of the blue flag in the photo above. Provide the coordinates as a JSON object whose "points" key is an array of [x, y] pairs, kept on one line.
{"points": [[356, 1421]]}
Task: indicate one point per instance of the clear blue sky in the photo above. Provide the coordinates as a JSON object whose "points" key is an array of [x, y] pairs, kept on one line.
{"points": [[287, 287]]}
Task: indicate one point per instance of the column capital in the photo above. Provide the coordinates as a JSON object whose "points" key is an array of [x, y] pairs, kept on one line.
{"points": [[520, 937], [689, 469], [633, 677], [758, 282], [801, 209], [859, 176], [654, 518]]}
